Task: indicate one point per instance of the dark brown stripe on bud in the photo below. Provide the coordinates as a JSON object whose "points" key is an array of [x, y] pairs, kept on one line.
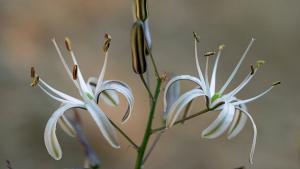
{"points": [[196, 37], [138, 48], [68, 44], [141, 9], [75, 72], [209, 53], [32, 72], [35, 81], [106, 42], [276, 83]]}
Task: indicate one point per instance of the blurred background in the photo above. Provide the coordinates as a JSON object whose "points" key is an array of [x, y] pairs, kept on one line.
{"points": [[27, 26]]}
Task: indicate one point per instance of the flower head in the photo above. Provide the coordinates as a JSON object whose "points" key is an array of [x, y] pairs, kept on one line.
{"points": [[90, 93], [233, 111]]}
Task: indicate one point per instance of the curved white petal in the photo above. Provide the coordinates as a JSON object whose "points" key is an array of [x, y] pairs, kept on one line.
{"points": [[124, 89], [238, 123], [51, 142], [254, 134], [110, 97], [214, 74], [66, 125], [103, 123], [175, 79], [236, 67], [58, 93], [222, 122], [172, 94], [181, 102], [102, 73], [202, 81]]}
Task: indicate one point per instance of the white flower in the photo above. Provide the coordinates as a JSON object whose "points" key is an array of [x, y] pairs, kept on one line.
{"points": [[233, 112], [90, 93]]}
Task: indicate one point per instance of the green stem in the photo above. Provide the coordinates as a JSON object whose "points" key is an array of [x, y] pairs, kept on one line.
{"points": [[148, 131], [125, 135], [189, 117]]}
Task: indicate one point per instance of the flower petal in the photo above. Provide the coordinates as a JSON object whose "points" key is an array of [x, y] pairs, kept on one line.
{"points": [[175, 79], [103, 123], [254, 134], [172, 95], [181, 102], [214, 73], [102, 73], [238, 123], [51, 142], [222, 122], [66, 125], [202, 81], [58, 93], [110, 97], [124, 89], [236, 67]]}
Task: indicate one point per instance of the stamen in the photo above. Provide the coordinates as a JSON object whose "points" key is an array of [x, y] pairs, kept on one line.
{"points": [[221, 47], [75, 72], [68, 44], [259, 63], [252, 70], [197, 38], [32, 72], [106, 42], [35, 81], [276, 83], [209, 53]]}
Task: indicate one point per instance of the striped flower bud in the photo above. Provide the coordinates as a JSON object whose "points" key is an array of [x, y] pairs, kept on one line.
{"points": [[138, 48], [141, 9]]}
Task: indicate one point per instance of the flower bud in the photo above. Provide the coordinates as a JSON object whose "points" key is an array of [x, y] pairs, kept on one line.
{"points": [[141, 9], [138, 48]]}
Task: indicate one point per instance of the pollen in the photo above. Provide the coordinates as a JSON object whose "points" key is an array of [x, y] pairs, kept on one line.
{"points": [[276, 83], [68, 44], [32, 72], [75, 72], [35, 81], [252, 70], [221, 47], [209, 53], [259, 63], [106, 42]]}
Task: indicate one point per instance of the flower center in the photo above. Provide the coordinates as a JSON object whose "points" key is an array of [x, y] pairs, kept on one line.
{"points": [[215, 97], [89, 96]]}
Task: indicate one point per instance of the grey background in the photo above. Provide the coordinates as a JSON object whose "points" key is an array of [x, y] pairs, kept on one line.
{"points": [[27, 26]]}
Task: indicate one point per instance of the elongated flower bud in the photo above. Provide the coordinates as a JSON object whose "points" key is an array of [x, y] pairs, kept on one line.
{"points": [[141, 9], [138, 48]]}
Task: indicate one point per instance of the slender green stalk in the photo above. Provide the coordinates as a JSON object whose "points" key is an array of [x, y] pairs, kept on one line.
{"points": [[148, 131], [146, 86], [125, 135], [189, 117]]}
